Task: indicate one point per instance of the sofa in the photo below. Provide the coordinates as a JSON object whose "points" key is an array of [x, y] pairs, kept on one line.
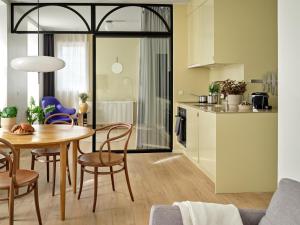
{"points": [[284, 209]]}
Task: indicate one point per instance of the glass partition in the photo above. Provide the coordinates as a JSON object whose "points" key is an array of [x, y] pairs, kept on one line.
{"points": [[53, 17], [131, 18], [138, 93]]}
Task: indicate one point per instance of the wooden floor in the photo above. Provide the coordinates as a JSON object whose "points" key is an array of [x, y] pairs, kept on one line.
{"points": [[157, 178]]}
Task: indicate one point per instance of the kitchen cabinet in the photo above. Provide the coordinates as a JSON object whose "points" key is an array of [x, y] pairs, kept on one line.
{"points": [[226, 32], [236, 150], [201, 140], [201, 35], [192, 143]]}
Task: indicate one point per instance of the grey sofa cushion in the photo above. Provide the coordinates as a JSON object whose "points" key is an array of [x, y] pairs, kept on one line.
{"points": [[284, 208], [170, 215], [165, 215], [251, 216]]}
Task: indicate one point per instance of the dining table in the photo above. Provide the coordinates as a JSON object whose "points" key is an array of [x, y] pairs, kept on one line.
{"points": [[47, 136]]}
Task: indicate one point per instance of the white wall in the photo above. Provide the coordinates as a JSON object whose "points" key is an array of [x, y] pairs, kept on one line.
{"points": [[289, 94], [3, 55], [16, 80]]}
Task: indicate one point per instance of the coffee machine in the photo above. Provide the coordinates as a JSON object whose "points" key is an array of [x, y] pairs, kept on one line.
{"points": [[260, 100]]}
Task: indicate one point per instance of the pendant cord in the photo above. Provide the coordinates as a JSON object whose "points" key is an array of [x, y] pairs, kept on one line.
{"points": [[38, 20]]}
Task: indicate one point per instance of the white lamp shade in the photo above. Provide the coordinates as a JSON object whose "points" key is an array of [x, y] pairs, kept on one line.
{"points": [[37, 64]]}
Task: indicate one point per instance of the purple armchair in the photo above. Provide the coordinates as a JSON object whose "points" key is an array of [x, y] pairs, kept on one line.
{"points": [[59, 108]]}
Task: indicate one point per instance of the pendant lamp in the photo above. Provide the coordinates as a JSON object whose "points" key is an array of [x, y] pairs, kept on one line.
{"points": [[37, 63]]}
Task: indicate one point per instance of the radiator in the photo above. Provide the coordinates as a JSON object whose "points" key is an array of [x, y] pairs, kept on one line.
{"points": [[115, 111]]}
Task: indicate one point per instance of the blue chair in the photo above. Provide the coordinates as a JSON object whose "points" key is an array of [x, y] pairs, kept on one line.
{"points": [[59, 108]]}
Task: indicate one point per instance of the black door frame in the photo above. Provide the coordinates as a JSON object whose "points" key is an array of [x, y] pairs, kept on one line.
{"points": [[94, 29]]}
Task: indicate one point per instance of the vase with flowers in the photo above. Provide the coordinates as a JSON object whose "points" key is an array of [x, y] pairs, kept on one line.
{"points": [[83, 107], [234, 91]]}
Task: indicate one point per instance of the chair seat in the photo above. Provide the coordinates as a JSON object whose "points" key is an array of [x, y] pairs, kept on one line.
{"points": [[92, 159], [23, 178], [46, 151]]}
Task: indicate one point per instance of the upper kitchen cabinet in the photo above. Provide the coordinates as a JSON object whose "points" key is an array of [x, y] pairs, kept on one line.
{"points": [[201, 34], [229, 31]]}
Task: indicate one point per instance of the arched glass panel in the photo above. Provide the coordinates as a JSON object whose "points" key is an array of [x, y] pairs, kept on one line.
{"points": [[134, 18], [54, 18]]}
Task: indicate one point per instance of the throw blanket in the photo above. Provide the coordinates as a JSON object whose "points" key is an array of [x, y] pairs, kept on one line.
{"points": [[199, 213]]}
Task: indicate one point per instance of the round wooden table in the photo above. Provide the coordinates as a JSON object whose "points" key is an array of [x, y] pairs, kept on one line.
{"points": [[52, 136]]}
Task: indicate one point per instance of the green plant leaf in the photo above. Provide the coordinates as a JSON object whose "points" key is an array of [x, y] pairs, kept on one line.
{"points": [[9, 112]]}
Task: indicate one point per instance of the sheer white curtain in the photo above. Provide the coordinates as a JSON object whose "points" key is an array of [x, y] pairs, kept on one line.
{"points": [[74, 78]]}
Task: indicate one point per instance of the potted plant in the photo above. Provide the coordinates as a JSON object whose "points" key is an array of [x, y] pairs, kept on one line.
{"points": [[36, 113], [8, 117], [234, 91], [83, 107], [213, 89]]}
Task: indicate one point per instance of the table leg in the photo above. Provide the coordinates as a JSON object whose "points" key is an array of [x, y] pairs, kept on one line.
{"points": [[74, 164], [63, 162]]}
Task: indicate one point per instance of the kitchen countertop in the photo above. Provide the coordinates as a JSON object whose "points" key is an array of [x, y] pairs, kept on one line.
{"points": [[213, 108]]}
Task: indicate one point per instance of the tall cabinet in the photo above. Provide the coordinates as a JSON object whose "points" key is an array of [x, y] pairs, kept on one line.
{"points": [[228, 31]]}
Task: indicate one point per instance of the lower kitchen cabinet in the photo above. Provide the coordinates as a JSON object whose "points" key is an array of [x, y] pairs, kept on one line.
{"points": [[237, 151], [192, 133]]}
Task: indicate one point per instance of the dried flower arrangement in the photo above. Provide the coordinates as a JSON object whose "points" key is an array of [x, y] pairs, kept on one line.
{"points": [[233, 87]]}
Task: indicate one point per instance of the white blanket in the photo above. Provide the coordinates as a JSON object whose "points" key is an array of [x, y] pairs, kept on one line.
{"points": [[199, 213]]}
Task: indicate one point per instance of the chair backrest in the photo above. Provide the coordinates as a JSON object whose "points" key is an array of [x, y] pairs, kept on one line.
{"points": [[5, 153], [124, 133], [59, 118], [49, 100], [3, 162]]}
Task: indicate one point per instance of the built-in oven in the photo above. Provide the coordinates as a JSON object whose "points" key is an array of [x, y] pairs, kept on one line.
{"points": [[180, 126]]}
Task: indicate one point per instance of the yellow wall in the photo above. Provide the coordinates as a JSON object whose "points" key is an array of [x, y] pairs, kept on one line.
{"points": [[121, 86], [185, 80], [251, 29]]}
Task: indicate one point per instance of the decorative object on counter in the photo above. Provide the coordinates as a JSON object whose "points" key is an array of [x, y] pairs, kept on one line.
{"points": [[260, 100], [245, 106], [22, 129], [202, 98], [214, 90], [8, 117], [212, 99], [234, 91], [35, 113], [83, 107]]}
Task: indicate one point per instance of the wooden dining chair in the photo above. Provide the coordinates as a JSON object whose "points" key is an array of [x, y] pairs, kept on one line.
{"points": [[54, 153], [106, 159], [13, 179], [3, 163]]}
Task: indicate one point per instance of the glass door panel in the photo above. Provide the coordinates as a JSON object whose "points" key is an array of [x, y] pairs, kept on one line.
{"points": [[133, 86]]}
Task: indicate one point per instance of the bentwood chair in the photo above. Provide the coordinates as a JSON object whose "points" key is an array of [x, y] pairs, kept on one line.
{"points": [[3, 163], [13, 179], [107, 159], [54, 153]]}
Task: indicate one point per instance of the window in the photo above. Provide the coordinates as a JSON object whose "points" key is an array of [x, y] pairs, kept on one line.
{"points": [[3, 55], [33, 89], [74, 78]]}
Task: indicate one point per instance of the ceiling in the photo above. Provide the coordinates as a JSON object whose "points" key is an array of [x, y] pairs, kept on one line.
{"points": [[106, 1]]}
